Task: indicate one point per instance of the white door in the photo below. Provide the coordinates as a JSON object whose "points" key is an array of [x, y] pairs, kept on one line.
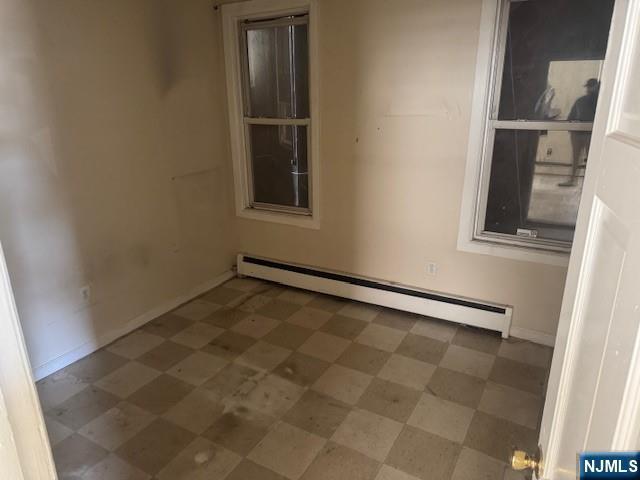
{"points": [[24, 447], [593, 399]]}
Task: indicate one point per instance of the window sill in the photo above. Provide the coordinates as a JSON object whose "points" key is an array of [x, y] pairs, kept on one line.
{"points": [[304, 221], [524, 254]]}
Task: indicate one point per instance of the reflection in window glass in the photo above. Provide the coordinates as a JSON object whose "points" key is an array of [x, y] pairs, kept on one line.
{"points": [[279, 165], [553, 49], [525, 193], [278, 72], [553, 56], [276, 96]]}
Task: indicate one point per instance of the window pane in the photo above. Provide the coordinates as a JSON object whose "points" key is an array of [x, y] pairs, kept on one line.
{"points": [[278, 71], [553, 59], [536, 182], [279, 165]]}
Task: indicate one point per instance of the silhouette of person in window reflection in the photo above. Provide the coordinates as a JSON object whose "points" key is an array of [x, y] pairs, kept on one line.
{"points": [[583, 110]]}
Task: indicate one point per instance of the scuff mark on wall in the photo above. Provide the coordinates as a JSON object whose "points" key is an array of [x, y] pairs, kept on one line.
{"points": [[163, 45]]}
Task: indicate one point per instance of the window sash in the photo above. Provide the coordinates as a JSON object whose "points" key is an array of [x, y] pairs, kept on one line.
{"points": [[272, 207], [491, 125], [248, 120], [289, 20], [244, 54], [558, 125], [277, 121]]}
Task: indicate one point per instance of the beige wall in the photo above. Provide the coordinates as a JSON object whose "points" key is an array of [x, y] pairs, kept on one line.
{"points": [[396, 81], [113, 162], [115, 168]]}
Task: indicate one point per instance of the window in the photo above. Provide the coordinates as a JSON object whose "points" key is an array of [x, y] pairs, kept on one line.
{"points": [[539, 112], [268, 57]]}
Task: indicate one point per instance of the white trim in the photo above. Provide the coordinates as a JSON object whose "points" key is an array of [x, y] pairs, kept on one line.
{"points": [[500, 322], [24, 446], [106, 338], [277, 121], [525, 254], [560, 126], [231, 14], [479, 108], [10, 465], [627, 433], [534, 336], [618, 124]]}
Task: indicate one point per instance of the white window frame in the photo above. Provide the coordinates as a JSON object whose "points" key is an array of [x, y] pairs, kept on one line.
{"points": [[489, 62], [232, 15]]}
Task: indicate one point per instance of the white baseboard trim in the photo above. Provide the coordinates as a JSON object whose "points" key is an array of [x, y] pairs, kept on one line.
{"points": [[87, 348], [534, 336]]}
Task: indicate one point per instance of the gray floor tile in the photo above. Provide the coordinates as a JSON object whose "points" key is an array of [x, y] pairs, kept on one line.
{"points": [[287, 450], [363, 358], [389, 399], [155, 446], [165, 355], [337, 462], [496, 437], [75, 455], [396, 319], [95, 366], [317, 413], [160, 394], [223, 295], [248, 470], [473, 465], [343, 326], [225, 317], [83, 407], [288, 335], [330, 389], [519, 375], [230, 379], [167, 325], [478, 339], [424, 455], [301, 369], [422, 348], [456, 387], [229, 345], [279, 309], [239, 430]]}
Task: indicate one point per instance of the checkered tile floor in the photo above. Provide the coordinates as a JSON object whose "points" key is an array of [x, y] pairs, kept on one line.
{"points": [[254, 381]]}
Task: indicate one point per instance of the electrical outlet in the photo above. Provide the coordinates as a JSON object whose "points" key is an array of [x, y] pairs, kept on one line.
{"points": [[85, 294], [432, 269]]}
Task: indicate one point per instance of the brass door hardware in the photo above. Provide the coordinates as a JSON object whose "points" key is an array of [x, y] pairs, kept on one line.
{"points": [[521, 460]]}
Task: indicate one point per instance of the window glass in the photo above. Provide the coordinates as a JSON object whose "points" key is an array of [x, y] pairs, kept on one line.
{"points": [[550, 72], [534, 191], [553, 59], [278, 71], [279, 165]]}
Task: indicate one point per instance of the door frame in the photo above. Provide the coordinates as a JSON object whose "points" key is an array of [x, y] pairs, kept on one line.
{"points": [[25, 452], [563, 366]]}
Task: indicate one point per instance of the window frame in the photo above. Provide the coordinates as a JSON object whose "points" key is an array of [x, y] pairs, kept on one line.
{"points": [[233, 15], [472, 237]]}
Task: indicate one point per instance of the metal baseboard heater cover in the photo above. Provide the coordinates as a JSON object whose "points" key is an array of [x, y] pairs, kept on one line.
{"points": [[400, 297]]}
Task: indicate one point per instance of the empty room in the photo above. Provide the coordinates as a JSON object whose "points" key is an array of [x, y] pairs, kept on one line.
{"points": [[319, 239]]}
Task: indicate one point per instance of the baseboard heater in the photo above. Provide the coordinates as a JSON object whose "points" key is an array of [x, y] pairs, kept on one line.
{"points": [[400, 297]]}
